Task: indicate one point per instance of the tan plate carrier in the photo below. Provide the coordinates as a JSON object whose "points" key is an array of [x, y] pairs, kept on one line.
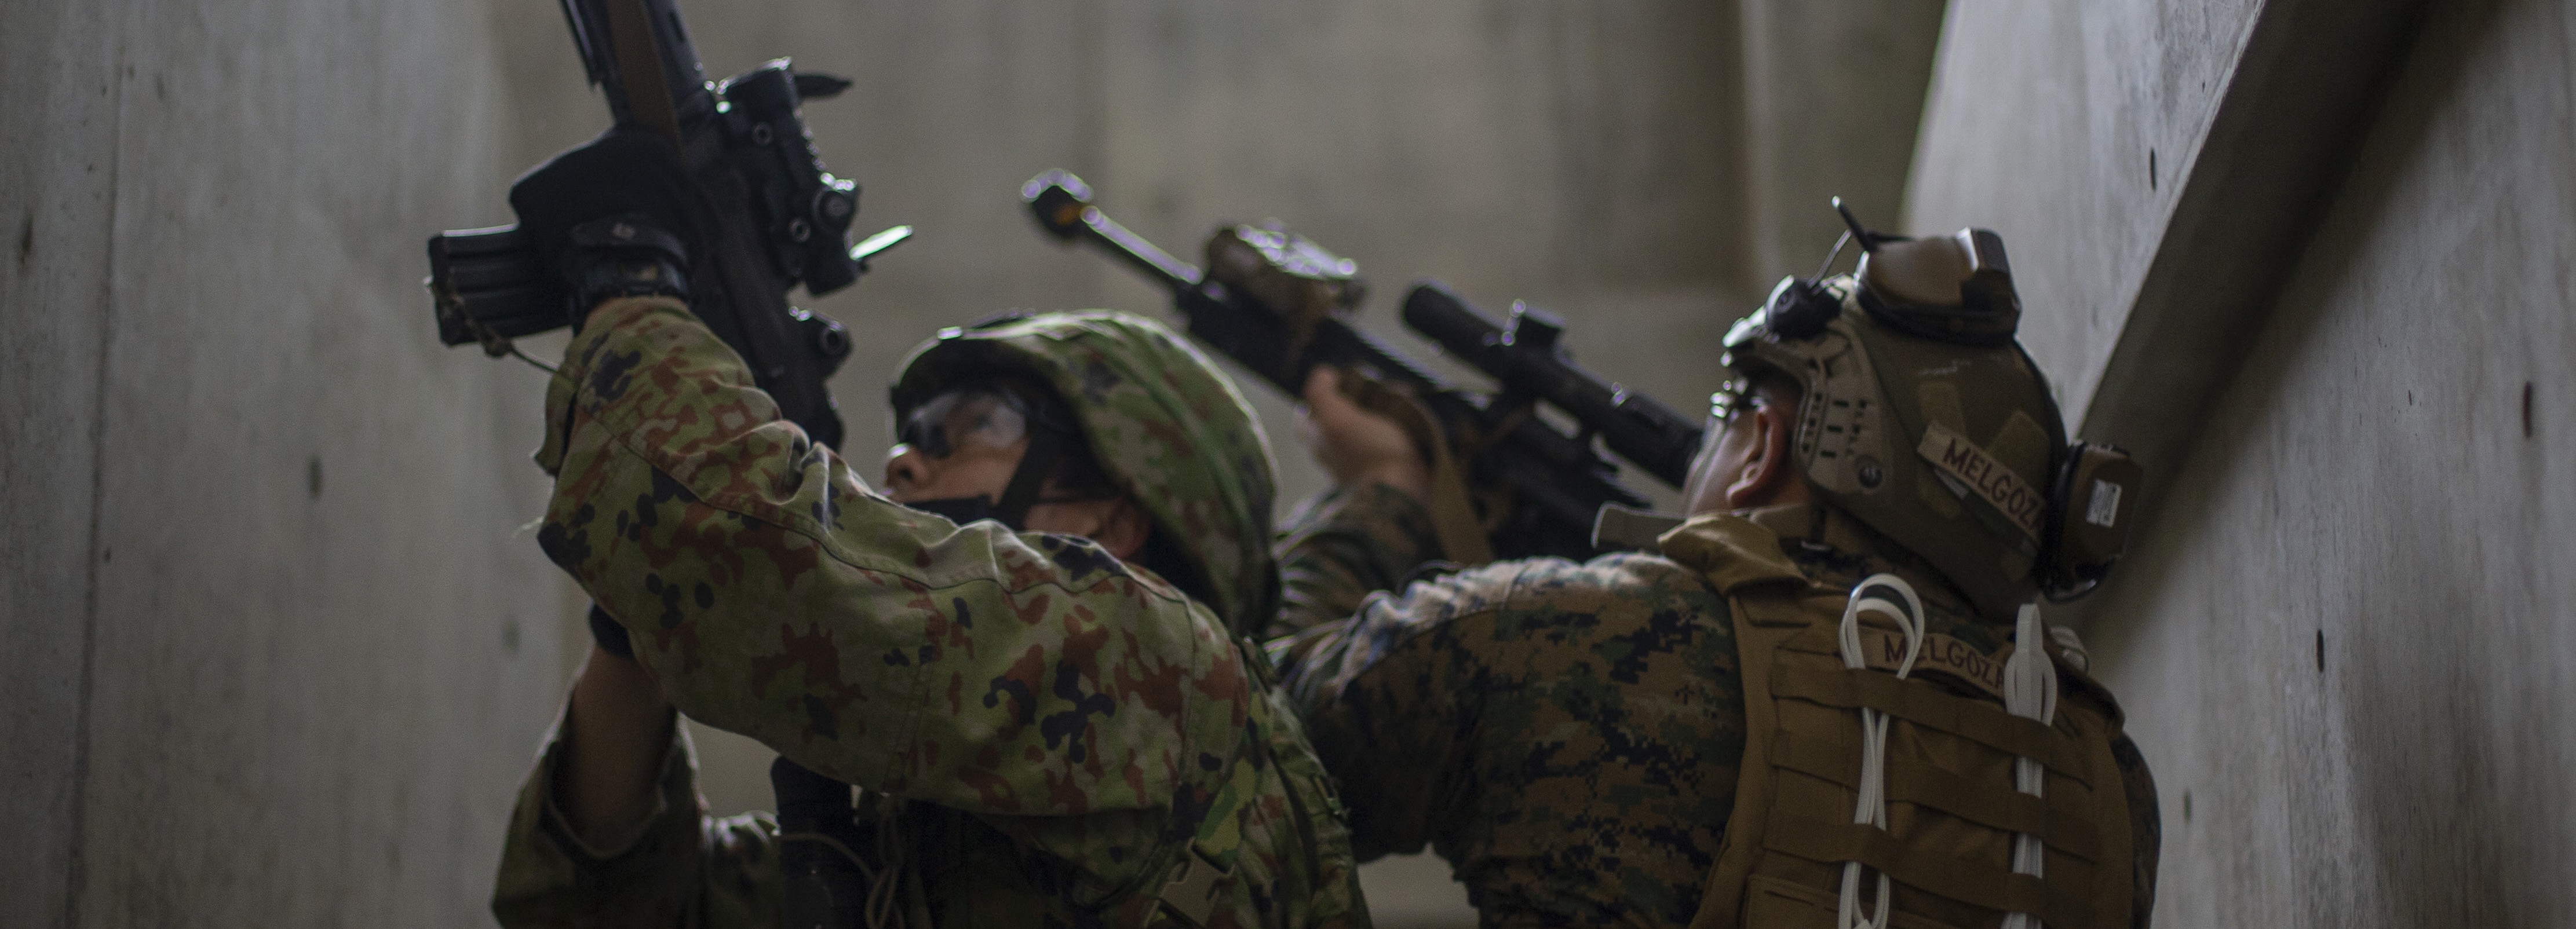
{"points": [[1952, 809]]}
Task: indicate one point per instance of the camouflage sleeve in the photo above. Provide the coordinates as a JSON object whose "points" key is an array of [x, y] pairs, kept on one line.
{"points": [[1567, 735], [1344, 544], [1390, 708], [677, 867], [770, 592]]}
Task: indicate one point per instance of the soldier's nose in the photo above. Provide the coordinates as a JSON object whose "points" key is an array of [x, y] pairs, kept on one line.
{"points": [[906, 472]]}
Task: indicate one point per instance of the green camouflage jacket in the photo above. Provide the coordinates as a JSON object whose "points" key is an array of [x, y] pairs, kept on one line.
{"points": [[1567, 736], [1055, 732]]}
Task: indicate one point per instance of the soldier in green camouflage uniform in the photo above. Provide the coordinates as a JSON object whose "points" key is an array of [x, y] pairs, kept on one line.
{"points": [[1045, 733], [1567, 736]]}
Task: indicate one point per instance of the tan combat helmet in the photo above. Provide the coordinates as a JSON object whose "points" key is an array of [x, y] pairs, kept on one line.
{"points": [[1923, 418]]}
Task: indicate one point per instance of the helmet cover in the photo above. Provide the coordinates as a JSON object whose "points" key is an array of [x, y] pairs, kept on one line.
{"points": [[1166, 427]]}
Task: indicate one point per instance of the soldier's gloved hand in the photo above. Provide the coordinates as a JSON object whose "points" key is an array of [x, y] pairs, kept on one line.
{"points": [[1356, 446], [617, 217]]}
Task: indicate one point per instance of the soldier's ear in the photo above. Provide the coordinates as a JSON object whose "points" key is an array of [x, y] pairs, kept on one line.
{"points": [[1769, 466], [1128, 530], [1117, 525]]}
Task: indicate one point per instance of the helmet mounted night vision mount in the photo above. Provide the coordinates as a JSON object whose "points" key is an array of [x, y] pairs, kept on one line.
{"points": [[1924, 418]]}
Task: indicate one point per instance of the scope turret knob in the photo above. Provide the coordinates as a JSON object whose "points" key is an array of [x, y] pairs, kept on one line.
{"points": [[833, 208], [1532, 328]]}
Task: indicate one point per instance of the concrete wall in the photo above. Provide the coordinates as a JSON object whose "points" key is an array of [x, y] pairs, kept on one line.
{"points": [[1834, 93], [2342, 640], [277, 649], [2066, 127], [2350, 639]]}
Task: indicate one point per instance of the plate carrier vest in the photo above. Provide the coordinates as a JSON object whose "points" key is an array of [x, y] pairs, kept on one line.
{"points": [[1952, 810]]}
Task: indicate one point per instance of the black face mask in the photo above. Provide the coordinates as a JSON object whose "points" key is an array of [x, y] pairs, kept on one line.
{"points": [[1046, 448], [963, 510], [996, 417]]}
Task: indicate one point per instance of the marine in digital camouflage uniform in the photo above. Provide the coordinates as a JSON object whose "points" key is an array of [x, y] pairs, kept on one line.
{"points": [[1568, 736], [1052, 733]]}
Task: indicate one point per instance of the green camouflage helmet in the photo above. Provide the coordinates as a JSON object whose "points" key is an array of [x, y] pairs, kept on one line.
{"points": [[1921, 416], [1163, 423]]}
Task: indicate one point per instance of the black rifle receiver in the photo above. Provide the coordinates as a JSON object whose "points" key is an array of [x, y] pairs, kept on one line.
{"points": [[781, 219], [1556, 483]]}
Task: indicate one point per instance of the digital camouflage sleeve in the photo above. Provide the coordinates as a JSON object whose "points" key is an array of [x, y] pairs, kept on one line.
{"points": [[1344, 544], [1086, 713], [1567, 736]]}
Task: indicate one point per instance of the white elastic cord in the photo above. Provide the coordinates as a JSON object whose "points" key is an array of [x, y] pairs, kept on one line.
{"points": [[884, 885], [2030, 692], [1871, 596]]}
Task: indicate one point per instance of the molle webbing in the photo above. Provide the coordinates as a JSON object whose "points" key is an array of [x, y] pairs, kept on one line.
{"points": [[1927, 705], [2063, 826], [1952, 807], [1991, 888]]}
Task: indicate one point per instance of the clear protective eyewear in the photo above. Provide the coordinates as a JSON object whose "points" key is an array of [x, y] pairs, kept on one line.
{"points": [[1732, 398], [980, 416]]}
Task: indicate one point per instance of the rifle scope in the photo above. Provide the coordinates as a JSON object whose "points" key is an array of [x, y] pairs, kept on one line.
{"points": [[1522, 355]]}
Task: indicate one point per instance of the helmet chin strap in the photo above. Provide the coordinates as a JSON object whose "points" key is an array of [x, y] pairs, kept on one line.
{"points": [[1027, 481], [1045, 449]]}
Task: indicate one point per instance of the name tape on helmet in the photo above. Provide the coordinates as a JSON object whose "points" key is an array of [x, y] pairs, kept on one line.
{"points": [[1989, 478]]}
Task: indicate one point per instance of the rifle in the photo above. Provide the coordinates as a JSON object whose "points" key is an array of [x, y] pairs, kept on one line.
{"points": [[1539, 488], [780, 220]]}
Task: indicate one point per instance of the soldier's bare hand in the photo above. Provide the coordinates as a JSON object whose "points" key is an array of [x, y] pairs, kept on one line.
{"points": [[620, 728], [1355, 446]]}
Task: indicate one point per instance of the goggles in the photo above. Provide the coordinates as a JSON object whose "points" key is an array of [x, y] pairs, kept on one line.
{"points": [[1733, 397], [989, 417], [998, 418]]}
